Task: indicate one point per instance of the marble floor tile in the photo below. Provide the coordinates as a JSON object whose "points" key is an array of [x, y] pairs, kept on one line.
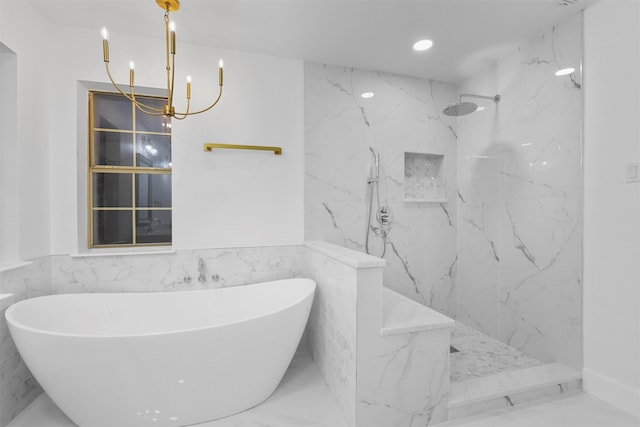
{"points": [[480, 355], [301, 400], [576, 410]]}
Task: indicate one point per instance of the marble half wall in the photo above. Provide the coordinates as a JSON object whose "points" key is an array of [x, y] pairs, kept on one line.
{"points": [[386, 360], [519, 271], [404, 115]]}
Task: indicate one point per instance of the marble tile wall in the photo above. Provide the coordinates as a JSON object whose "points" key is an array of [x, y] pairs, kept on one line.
{"points": [[401, 379], [520, 200], [18, 388], [405, 115], [331, 330], [167, 272]]}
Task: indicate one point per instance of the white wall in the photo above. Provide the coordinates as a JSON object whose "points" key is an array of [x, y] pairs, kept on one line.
{"points": [[23, 32], [221, 198], [612, 207]]}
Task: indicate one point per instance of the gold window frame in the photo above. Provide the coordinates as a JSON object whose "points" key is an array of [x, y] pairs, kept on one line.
{"points": [[131, 170]]}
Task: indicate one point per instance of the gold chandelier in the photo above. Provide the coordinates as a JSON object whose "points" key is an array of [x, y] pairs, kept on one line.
{"points": [[170, 50]]}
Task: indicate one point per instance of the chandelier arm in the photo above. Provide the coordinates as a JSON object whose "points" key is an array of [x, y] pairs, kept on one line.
{"points": [[186, 113], [143, 108], [208, 108], [132, 99]]}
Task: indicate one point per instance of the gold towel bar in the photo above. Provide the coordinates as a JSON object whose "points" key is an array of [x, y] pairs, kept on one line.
{"points": [[276, 150]]}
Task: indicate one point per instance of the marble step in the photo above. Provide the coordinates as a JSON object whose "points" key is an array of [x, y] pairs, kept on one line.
{"points": [[477, 395]]}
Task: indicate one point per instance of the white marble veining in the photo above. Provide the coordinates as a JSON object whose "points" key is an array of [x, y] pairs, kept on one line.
{"points": [[399, 379], [508, 383], [403, 379], [401, 315], [301, 400], [404, 115], [520, 200], [507, 400], [480, 355], [167, 271], [577, 410], [332, 326]]}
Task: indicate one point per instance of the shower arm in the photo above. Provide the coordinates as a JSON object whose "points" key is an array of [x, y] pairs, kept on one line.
{"points": [[495, 99]]}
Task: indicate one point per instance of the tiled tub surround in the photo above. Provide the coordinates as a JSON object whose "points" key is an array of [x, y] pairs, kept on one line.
{"points": [[405, 115], [384, 356], [519, 275], [167, 271], [125, 273], [17, 386]]}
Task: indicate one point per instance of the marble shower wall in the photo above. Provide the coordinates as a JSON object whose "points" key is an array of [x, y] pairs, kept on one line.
{"points": [[520, 200], [405, 115]]}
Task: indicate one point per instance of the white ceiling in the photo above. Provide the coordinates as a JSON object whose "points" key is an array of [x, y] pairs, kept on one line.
{"points": [[374, 35]]}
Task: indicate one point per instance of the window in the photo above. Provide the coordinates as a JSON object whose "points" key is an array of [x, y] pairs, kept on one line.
{"points": [[129, 181]]}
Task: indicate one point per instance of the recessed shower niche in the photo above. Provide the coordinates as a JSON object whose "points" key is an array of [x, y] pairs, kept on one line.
{"points": [[424, 178]]}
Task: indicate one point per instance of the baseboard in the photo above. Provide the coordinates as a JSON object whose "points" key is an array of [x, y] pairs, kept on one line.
{"points": [[611, 391]]}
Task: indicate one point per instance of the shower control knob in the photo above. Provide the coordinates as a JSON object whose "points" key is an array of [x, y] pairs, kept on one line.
{"points": [[215, 278], [187, 280]]}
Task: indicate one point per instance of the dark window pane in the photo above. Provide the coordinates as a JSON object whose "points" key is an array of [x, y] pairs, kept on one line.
{"points": [[149, 123], [153, 190], [153, 151], [112, 112], [113, 149], [153, 226], [112, 190], [112, 228]]}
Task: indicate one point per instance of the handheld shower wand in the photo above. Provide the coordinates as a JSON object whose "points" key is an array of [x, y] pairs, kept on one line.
{"points": [[383, 214], [377, 160]]}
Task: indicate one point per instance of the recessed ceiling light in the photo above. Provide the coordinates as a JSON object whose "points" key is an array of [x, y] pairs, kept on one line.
{"points": [[367, 95], [421, 45], [565, 71]]}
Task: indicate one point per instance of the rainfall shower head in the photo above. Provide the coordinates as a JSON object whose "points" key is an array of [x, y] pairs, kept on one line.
{"points": [[460, 108]]}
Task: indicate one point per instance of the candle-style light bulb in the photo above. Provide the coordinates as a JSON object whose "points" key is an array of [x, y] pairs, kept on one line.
{"points": [[105, 44], [188, 87], [172, 28], [220, 71], [131, 68]]}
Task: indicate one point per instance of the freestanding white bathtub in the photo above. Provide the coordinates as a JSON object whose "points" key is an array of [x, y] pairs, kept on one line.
{"points": [[164, 358]]}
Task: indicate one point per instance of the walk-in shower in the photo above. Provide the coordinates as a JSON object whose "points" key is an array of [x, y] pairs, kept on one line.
{"points": [[383, 213], [460, 108]]}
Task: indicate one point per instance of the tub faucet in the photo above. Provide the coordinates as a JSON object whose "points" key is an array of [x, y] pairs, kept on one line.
{"points": [[201, 276]]}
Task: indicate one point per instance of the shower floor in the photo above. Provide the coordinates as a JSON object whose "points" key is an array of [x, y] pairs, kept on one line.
{"points": [[480, 355]]}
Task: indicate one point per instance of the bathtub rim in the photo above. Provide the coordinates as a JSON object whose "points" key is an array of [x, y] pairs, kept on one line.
{"points": [[12, 322]]}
